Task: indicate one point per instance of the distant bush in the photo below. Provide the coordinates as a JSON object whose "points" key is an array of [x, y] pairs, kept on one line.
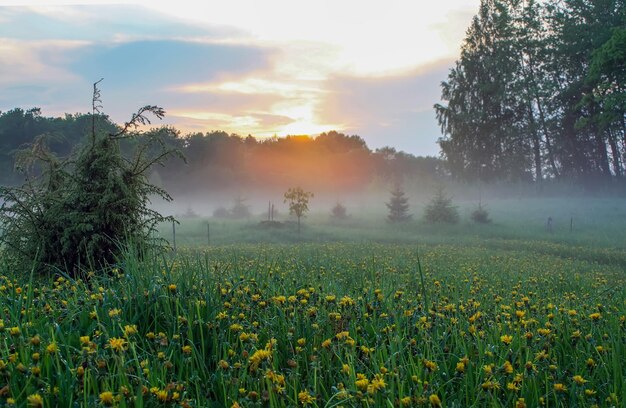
{"points": [[339, 212], [480, 215], [441, 210], [221, 212]]}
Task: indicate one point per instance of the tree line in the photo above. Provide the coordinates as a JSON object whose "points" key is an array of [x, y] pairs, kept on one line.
{"points": [[539, 92], [217, 160]]}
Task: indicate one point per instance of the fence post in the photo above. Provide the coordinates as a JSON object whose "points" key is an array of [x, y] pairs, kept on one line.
{"points": [[174, 234]]}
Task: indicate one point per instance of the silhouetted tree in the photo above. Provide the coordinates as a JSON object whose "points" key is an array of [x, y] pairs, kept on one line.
{"points": [[298, 200]]}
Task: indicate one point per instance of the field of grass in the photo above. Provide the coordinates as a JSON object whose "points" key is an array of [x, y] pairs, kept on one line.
{"points": [[495, 315]]}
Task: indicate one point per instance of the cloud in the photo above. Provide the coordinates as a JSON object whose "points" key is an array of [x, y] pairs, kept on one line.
{"points": [[102, 23], [390, 110], [162, 63], [56, 75]]}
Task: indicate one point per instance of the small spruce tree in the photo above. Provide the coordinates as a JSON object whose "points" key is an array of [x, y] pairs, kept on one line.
{"points": [[441, 210], [240, 209], [398, 206]]}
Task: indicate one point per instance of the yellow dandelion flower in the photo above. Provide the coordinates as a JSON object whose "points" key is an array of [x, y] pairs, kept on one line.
{"points": [[595, 316], [107, 398], [52, 348], [258, 357], [129, 330], [305, 398], [162, 395], [117, 344], [434, 400], [377, 383], [35, 401]]}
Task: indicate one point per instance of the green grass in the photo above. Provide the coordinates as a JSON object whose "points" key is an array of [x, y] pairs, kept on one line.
{"points": [[467, 315]]}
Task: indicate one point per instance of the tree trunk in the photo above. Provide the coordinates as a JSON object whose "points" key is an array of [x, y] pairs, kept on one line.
{"points": [[617, 168], [536, 144], [544, 127]]}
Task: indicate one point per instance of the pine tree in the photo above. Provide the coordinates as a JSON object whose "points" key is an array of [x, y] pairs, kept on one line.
{"points": [[441, 210], [398, 206]]}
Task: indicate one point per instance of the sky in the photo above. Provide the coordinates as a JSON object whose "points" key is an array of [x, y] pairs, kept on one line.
{"points": [[265, 68]]}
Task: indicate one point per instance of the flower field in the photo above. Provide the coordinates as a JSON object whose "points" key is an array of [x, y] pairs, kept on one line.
{"points": [[320, 325]]}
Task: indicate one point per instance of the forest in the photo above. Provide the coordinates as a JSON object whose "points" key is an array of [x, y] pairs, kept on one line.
{"points": [[216, 160], [539, 92]]}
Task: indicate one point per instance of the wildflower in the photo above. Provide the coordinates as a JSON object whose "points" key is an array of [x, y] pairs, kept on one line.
{"points": [[434, 400], [405, 402], [35, 401], [114, 312], [186, 349], [521, 403], [512, 386], [52, 348], [558, 387], [172, 288], [106, 398], [590, 393], [506, 339], [117, 344], [579, 380], [377, 383], [162, 395], [305, 398], [430, 365], [129, 330], [361, 382], [595, 316], [15, 331], [258, 357], [490, 385]]}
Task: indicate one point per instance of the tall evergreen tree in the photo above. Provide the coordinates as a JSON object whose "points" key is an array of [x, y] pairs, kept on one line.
{"points": [[538, 90]]}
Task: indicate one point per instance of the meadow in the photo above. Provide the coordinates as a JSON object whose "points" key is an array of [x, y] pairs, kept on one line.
{"points": [[358, 314]]}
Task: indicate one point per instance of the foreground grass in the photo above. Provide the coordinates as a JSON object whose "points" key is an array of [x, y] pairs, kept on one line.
{"points": [[320, 325]]}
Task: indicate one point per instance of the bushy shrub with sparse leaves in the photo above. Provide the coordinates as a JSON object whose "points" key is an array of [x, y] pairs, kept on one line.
{"points": [[81, 211]]}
